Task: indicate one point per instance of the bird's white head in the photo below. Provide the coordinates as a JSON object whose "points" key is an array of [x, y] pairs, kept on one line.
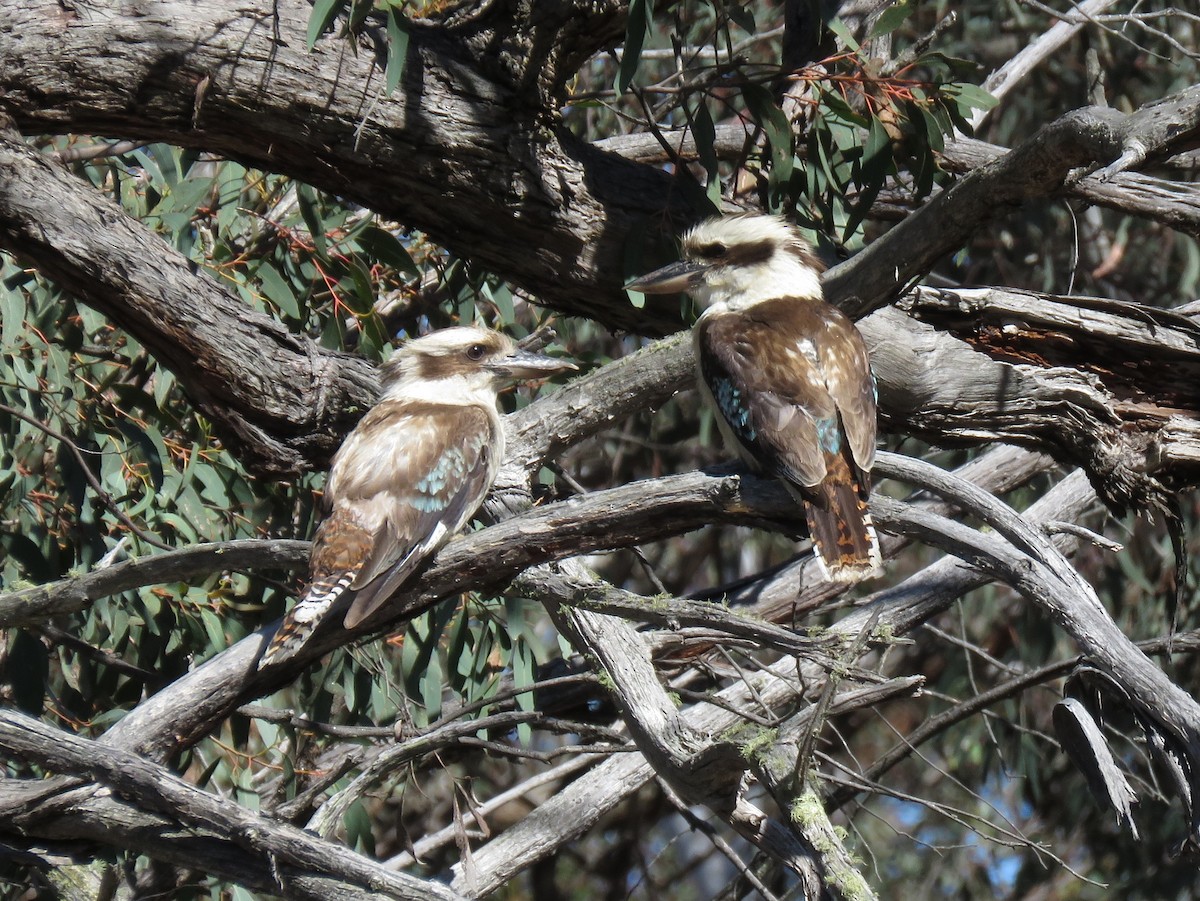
{"points": [[462, 365], [733, 262]]}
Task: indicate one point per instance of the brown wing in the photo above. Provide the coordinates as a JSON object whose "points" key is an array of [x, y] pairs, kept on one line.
{"points": [[410, 475], [769, 393], [845, 365]]}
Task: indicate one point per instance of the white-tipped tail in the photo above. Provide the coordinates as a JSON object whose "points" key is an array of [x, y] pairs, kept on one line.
{"points": [[304, 618]]}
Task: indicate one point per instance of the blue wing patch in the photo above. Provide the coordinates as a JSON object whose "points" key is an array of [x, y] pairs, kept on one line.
{"points": [[829, 433], [438, 487], [729, 401]]}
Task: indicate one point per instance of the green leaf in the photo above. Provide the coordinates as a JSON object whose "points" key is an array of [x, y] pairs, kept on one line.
{"points": [[187, 195], [636, 28], [891, 19], [705, 134], [766, 112], [363, 291], [933, 130], [524, 669], [12, 324], [380, 244], [954, 64], [278, 291], [322, 16], [151, 447], [213, 628], [879, 144], [838, 27], [147, 159], [742, 16], [358, 829], [164, 381], [458, 652], [306, 197], [180, 525], [213, 489], [397, 55], [877, 156], [972, 95], [207, 773], [431, 689], [503, 299]]}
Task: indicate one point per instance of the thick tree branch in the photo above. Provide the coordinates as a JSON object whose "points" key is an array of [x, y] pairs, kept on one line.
{"points": [[156, 790], [1039, 167], [1175, 204], [38, 604], [468, 149], [1026, 384], [281, 401]]}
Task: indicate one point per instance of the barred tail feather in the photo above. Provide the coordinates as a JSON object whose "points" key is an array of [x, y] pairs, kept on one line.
{"points": [[303, 619], [843, 536]]}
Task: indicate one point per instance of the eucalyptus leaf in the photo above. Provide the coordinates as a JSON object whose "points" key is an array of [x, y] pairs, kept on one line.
{"points": [[636, 28], [321, 18]]}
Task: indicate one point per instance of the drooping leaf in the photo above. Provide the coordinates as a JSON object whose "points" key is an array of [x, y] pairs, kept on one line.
{"points": [[705, 134], [839, 29], [26, 670], [766, 112], [321, 18], [357, 822], [742, 15], [214, 629], [397, 55], [306, 198], [636, 28], [972, 95], [385, 247], [277, 290], [891, 18]]}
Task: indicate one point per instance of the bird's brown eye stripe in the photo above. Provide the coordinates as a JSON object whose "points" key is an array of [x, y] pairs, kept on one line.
{"points": [[711, 251], [747, 254]]}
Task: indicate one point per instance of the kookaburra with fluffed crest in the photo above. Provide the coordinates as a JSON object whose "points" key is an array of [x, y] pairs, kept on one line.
{"points": [[411, 474], [788, 374]]}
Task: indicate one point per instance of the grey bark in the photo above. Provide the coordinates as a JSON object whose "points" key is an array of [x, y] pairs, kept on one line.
{"points": [[458, 153], [469, 150], [472, 152], [188, 812]]}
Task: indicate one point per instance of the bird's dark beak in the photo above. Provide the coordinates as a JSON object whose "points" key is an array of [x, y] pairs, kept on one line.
{"points": [[524, 364], [671, 279]]}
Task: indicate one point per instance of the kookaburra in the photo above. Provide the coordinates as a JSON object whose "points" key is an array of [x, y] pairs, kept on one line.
{"points": [[788, 374], [411, 474]]}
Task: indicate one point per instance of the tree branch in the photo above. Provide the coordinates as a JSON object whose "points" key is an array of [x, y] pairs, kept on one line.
{"points": [[468, 149], [1037, 168], [34, 605], [186, 807], [280, 400]]}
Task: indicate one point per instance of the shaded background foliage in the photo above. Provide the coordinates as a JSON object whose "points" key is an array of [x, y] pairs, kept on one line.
{"points": [[102, 456]]}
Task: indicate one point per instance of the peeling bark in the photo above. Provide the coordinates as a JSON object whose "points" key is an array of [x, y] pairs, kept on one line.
{"points": [[464, 151]]}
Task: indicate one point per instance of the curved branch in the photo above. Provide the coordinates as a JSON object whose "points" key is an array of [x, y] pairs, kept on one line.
{"points": [[280, 400], [157, 790], [33, 605], [469, 148], [1039, 167]]}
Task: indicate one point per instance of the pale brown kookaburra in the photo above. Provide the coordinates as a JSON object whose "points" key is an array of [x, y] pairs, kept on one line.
{"points": [[411, 474], [788, 375]]}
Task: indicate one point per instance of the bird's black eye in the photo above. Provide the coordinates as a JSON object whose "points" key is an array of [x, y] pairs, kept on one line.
{"points": [[711, 251], [475, 352]]}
